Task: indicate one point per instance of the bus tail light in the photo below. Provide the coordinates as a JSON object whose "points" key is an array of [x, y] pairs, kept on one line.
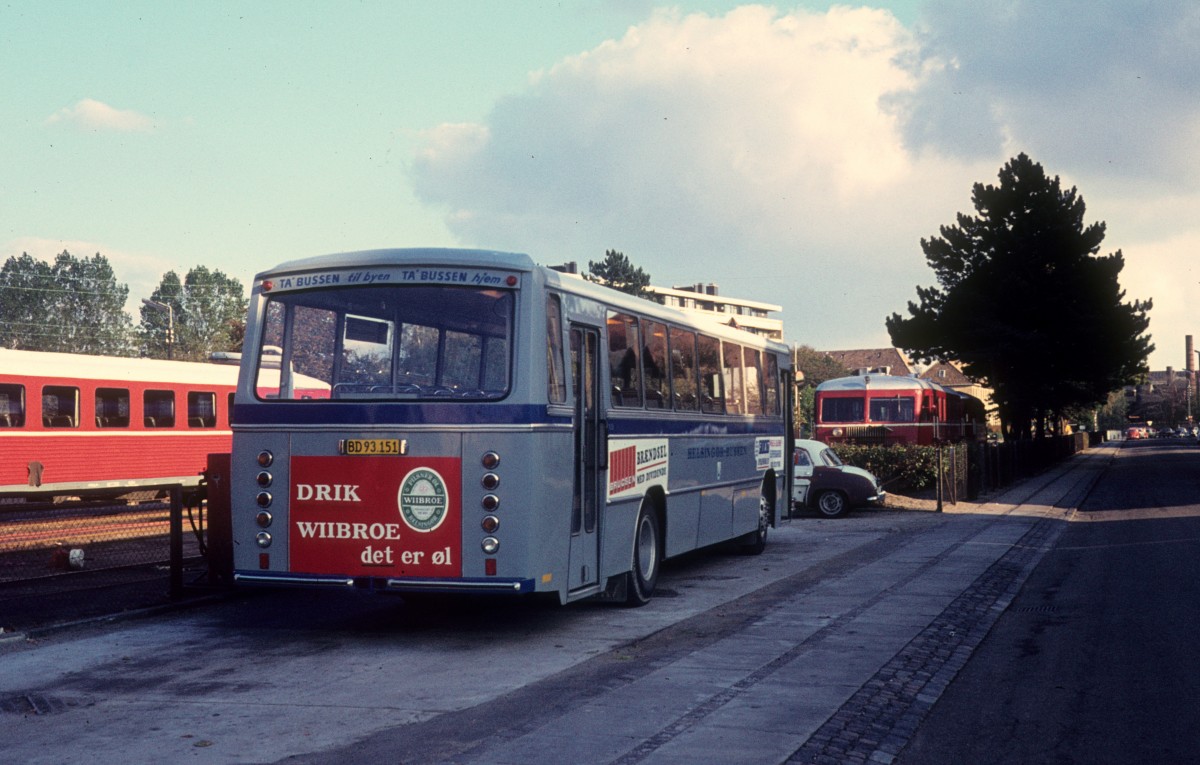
{"points": [[489, 567], [490, 545], [490, 523], [263, 539]]}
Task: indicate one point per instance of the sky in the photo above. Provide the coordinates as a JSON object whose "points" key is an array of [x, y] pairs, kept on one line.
{"points": [[791, 153]]}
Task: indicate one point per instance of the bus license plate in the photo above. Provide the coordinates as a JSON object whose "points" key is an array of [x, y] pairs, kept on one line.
{"points": [[372, 446]]}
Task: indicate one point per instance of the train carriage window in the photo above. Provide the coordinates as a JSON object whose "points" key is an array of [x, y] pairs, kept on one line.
{"points": [[654, 364], [112, 408], [734, 380], [60, 406], [158, 408], [683, 369], [711, 394], [842, 410], [12, 406], [229, 411], [625, 370], [202, 409], [893, 409]]}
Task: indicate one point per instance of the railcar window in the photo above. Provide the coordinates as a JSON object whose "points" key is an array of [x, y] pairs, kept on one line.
{"points": [[711, 393], [894, 409], [158, 408], [654, 363], [60, 406], [842, 410], [735, 389], [112, 408], [12, 406], [202, 409], [683, 369], [624, 351]]}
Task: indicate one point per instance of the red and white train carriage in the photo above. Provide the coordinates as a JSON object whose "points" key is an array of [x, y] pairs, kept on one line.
{"points": [[888, 409], [74, 422]]}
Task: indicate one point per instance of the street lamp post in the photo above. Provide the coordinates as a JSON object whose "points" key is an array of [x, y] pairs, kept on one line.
{"points": [[170, 322]]}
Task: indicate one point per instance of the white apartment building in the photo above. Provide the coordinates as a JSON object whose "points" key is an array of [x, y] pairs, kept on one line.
{"points": [[750, 315]]}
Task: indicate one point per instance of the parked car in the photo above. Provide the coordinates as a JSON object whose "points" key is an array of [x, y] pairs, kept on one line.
{"points": [[822, 482]]}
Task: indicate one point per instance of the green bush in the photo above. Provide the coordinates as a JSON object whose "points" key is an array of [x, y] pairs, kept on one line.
{"points": [[901, 467]]}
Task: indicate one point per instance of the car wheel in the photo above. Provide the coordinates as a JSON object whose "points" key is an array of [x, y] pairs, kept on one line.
{"points": [[832, 504], [647, 557]]}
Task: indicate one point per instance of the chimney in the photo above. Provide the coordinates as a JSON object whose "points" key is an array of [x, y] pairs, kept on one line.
{"points": [[1191, 356]]}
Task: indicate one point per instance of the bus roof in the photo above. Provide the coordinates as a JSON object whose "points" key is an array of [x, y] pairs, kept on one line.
{"points": [[515, 261], [414, 255]]}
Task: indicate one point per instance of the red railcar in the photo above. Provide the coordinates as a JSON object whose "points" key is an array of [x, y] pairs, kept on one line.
{"points": [[73, 422], [887, 409]]}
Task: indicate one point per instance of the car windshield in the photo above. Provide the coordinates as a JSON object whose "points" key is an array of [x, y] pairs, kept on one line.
{"points": [[386, 342], [831, 459]]}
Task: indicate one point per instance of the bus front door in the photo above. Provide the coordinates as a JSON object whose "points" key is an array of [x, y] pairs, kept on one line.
{"points": [[590, 451]]}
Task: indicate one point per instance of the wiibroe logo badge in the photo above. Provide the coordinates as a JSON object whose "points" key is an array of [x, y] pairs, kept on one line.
{"points": [[422, 499]]}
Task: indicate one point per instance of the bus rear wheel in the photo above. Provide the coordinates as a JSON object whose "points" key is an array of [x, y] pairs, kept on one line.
{"points": [[756, 541], [647, 558]]}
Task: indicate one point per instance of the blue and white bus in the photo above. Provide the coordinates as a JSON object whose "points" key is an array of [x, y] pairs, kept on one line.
{"points": [[491, 425]]}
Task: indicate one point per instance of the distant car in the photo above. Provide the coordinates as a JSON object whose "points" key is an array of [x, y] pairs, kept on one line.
{"points": [[822, 482]]}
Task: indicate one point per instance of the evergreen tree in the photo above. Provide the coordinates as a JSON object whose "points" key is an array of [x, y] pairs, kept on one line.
{"points": [[73, 305], [618, 272], [1025, 304], [26, 294], [208, 313]]}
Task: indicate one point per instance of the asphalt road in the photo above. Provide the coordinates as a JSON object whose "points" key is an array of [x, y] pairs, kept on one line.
{"points": [[839, 644], [1098, 659]]}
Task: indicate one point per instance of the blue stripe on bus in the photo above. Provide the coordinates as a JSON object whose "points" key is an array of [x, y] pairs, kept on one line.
{"points": [[451, 414], [358, 413]]}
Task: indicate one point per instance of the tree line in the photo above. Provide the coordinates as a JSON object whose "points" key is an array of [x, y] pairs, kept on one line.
{"points": [[76, 305], [1025, 305]]}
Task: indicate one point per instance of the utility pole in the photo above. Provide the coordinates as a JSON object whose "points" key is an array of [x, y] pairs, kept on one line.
{"points": [[170, 323]]}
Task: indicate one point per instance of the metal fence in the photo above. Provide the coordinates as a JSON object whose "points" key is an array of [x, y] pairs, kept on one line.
{"points": [[68, 557]]}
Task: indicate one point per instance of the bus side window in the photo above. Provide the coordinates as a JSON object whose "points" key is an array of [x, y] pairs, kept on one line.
{"points": [[654, 361], [734, 381], [711, 394], [752, 359], [12, 406], [556, 381], [771, 386], [683, 369], [625, 370]]}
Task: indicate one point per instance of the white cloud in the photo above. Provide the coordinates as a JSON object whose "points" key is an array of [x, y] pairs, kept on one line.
{"points": [[95, 115], [799, 158]]}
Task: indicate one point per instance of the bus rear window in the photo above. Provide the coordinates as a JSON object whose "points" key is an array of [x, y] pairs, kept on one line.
{"points": [[389, 342]]}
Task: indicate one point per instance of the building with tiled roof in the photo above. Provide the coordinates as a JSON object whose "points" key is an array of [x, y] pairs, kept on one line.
{"points": [[873, 361]]}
